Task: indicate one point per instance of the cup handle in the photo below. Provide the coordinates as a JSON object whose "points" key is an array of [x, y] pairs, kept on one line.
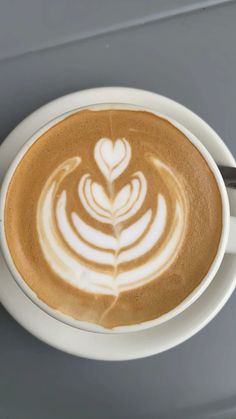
{"points": [[231, 245]]}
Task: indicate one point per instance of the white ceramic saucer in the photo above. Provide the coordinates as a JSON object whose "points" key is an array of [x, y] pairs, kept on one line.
{"points": [[138, 344]]}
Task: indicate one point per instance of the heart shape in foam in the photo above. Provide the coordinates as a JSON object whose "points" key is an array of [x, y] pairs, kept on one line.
{"points": [[111, 157]]}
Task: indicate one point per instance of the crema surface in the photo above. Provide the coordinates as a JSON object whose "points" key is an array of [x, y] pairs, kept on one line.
{"points": [[113, 216]]}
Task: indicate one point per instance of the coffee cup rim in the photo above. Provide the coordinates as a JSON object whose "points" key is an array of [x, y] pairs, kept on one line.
{"points": [[191, 298]]}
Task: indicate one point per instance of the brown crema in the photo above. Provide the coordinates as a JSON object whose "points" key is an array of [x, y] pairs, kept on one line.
{"points": [[132, 206]]}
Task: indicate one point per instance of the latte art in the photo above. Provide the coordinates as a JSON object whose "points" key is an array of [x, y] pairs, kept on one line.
{"points": [[95, 261], [113, 217]]}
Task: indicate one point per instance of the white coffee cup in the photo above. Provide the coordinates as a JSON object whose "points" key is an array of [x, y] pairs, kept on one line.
{"points": [[227, 242]]}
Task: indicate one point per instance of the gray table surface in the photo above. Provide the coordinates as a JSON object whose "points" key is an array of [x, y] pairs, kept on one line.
{"points": [[182, 49]]}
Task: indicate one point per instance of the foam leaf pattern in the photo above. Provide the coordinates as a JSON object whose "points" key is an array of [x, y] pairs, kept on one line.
{"points": [[134, 248]]}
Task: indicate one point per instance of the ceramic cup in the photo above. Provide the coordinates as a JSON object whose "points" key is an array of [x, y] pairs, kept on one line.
{"points": [[227, 242]]}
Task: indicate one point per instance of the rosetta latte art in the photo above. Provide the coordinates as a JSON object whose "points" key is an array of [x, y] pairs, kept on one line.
{"points": [[142, 243]]}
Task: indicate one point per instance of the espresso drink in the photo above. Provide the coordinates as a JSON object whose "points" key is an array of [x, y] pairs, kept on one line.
{"points": [[113, 216]]}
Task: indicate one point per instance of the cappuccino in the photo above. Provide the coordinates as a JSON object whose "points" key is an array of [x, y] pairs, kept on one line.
{"points": [[113, 216]]}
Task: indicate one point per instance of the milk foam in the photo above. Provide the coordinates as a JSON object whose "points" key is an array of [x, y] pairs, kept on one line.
{"points": [[137, 250]]}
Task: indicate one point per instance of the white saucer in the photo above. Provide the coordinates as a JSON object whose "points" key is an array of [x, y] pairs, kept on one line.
{"points": [[138, 344]]}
